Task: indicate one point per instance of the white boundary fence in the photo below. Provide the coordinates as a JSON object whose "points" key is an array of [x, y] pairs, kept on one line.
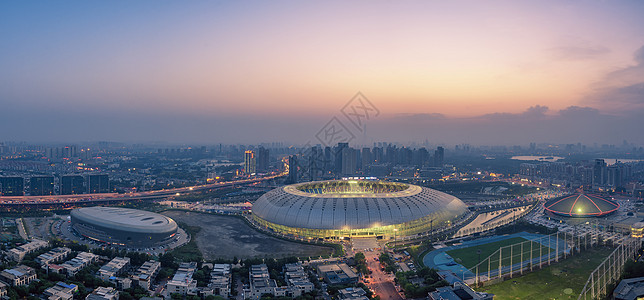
{"points": [[521, 257], [610, 270]]}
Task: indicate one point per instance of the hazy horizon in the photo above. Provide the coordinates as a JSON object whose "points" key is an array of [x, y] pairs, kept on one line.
{"points": [[498, 72]]}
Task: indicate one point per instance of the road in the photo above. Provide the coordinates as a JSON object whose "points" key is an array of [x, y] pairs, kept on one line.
{"points": [[381, 283], [61, 199]]}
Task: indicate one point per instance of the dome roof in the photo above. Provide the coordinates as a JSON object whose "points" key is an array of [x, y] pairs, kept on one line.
{"points": [[581, 205], [354, 204], [125, 219]]}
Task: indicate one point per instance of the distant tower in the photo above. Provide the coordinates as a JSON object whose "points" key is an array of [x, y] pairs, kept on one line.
{"points": [[72, 185], [599, 173], [262, 159], [439, 157], [249, 162], [41, 185], [12, 186], [98, 184], [338, 156], [292, 169], [349, 161]]}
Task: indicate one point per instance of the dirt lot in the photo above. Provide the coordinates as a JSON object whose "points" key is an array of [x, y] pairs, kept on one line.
{"points": [[227, 237]]}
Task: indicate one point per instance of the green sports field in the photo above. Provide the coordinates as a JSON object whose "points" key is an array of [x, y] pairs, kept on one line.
{"points": [[468, 257], [562, 280]]}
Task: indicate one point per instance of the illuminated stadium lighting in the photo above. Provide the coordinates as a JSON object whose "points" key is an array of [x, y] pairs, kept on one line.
{"points": [[588, 205], [327, 209]]}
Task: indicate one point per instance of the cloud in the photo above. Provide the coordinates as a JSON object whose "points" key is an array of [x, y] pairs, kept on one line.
{"points": [[536, 124], [420, 117], [621, 90], [579, 52], [533, 112]]}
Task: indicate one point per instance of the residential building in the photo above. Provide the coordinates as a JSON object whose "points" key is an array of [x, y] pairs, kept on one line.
{"points": [[457, 292], [19, 252], [79, 262], [337, 274], [113, 268], [54, 255], [629, 289], [103, 293], [3, 289], [352, 293], [182, 282], [249, 162], [220, 279], [260, 282], [72, 185], [12, 186], [61, 291], [146, 274], [98, 184], [20, 275], [41, 186], [297, 279]]}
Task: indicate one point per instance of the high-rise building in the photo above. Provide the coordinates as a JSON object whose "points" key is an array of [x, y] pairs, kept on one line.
{"points": [[599, 173], [72, 185], [41, 186], [349, 161], [97, 184], [262, 159], [338, 156], [367, 158], [439, 157], [249, 162], [292, 169], [12, 186]]}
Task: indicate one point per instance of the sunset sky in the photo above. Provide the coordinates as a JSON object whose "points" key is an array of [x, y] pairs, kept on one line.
{"points": [[260, 71]]}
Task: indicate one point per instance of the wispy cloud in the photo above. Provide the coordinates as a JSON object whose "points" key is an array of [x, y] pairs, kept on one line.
{"points": [[621, 90]]}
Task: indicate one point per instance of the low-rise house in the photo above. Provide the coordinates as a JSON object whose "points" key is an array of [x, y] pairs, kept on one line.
{"points": [[297, 279], [458, 291], [629, 289], [352, 293], [53, 256], [337, 274], [3, 289], [79, 262], [220, 278], [20, 275], [146, 274], [61, 291], [18, 253], [103, 293], [182, 282], [115, 267]]}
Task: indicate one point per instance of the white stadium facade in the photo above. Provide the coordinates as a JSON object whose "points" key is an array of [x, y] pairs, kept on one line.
{"points": [[123, 226], [355, 208]]}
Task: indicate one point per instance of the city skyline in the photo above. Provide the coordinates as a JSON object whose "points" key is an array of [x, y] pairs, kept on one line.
{"points": [[463, 72]]}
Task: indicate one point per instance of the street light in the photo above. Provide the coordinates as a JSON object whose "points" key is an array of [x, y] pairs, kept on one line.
{"points": [[395, 229]]}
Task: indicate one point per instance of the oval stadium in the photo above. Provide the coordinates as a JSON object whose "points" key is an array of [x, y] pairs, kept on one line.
{"points": [[123, 226], [355, 208], [581, 205]]}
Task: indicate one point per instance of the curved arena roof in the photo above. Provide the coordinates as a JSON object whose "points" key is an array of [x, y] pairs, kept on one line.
{"points": [[125, 219], [581, 205], [334, 205]]}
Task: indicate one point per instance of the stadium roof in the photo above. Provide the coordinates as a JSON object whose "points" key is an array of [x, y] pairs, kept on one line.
{"points": [[330, 208], [581, 205], [125, 219]]}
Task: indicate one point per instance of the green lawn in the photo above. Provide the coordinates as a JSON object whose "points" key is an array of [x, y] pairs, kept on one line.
{"points": [[468, 257], [562, 280]]}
